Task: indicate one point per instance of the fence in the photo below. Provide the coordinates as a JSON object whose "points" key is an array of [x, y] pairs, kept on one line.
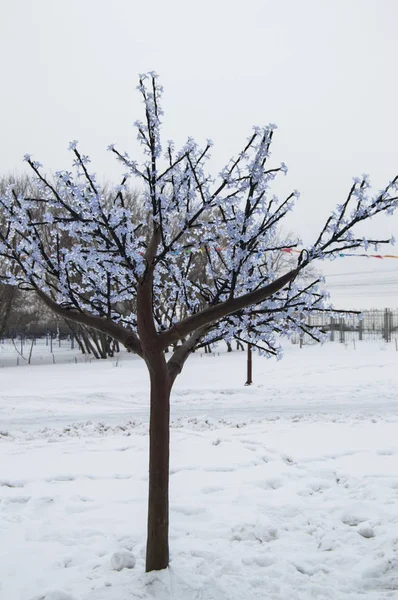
{"points": [[88, 341], [370, 325]]}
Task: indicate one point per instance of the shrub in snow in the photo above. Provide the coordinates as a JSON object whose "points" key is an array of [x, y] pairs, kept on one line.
{"points": [[122, 560]]}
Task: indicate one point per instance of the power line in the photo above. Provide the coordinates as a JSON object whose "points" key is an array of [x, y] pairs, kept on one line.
{"points": [[378, 283], [373, 272]]}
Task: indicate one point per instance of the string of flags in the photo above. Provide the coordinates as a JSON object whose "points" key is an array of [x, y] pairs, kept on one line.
{"points": [[287, 250], [343, 254], [290, 251]]}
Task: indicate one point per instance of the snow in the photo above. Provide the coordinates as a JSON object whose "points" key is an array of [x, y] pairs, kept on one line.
{"points": [[285, 489], [125, 559]]}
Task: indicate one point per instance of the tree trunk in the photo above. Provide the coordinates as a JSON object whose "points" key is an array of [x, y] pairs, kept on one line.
{"points": [[157, 551]]}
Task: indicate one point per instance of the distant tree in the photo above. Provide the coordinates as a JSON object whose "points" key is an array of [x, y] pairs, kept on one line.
{"points": [[224, 226], [27, 312], [8, 295]]}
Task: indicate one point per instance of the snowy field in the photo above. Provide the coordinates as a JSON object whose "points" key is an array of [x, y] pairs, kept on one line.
{"points": [[285, 490]]}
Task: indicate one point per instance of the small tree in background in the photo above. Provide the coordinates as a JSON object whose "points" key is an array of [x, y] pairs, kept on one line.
{"points": [[203, 271]]}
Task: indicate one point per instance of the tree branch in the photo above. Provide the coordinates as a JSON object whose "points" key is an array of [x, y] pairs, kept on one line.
{"points": [[128, 338], [214, 313], [177, 360]]}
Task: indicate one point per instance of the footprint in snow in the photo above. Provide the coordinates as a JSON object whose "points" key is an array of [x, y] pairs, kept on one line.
{"points": [[55, 595], [352, 520], [260, 561], [221, 470], [382, 576], [17, 500], [272, 483], [188, 510], [254, 532], [60, 478], [12, 484], [211, 490]]}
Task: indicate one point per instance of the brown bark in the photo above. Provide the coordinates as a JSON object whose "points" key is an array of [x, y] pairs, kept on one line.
{"points": [[157, 550]]}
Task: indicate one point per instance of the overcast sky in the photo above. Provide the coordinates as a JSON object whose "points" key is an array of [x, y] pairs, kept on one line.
{"points": [[323, 70]]}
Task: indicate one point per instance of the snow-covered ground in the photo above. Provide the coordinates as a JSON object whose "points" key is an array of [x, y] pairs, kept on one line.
{"points": [[284, 490]]}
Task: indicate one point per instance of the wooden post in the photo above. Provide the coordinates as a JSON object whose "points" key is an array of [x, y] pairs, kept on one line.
{"points": [[249, 365], [332, 329]]}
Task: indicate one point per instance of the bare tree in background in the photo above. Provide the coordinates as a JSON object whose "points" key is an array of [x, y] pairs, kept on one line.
{"points": [[20, 312]]}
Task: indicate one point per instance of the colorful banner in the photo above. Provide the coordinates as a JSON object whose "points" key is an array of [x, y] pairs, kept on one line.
{"points": [[288, 250], [343, 254]]}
